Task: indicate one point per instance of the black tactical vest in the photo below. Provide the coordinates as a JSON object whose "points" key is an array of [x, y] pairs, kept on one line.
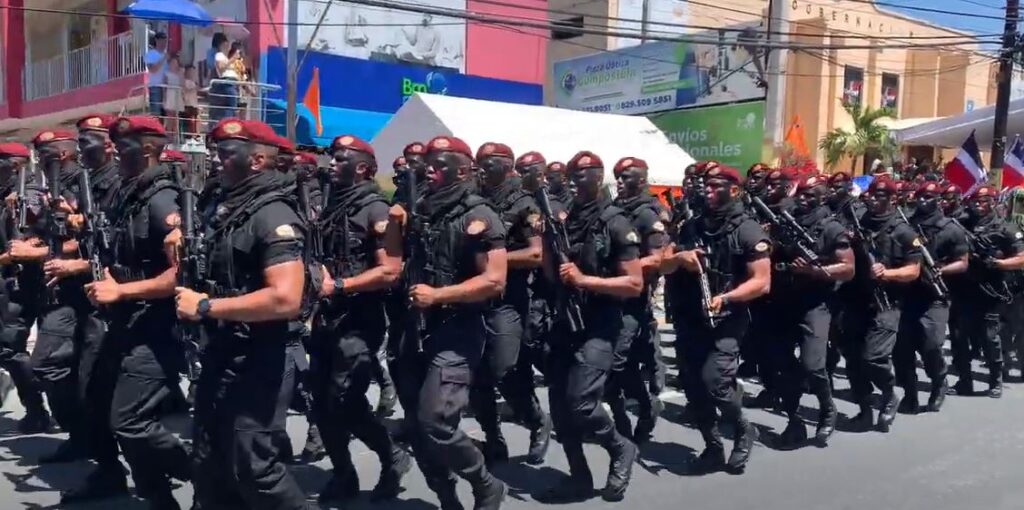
{"points": [[136, 256], [447, 259], [348, 245]]}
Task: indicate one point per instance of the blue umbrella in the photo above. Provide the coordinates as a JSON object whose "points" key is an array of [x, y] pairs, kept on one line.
{"points": [[185, 12]]}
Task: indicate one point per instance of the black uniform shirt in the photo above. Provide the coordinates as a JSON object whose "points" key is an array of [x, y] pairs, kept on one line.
{"points": [[897, 245]]}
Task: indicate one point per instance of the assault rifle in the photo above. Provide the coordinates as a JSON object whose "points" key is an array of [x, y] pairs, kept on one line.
{"points": [[22, 201], [711, 318], [990, 280], [788, 230], [95, 227], [56, 220], [415, 265], [557, 240], [191, 261], [931, 274], [867, 244]]}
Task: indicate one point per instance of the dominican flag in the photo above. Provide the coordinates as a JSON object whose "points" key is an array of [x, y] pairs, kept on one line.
{"points": [[1013, 166], [966, 170]]}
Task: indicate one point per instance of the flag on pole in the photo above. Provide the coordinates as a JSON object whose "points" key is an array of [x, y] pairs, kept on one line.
{"points": [[966, 170], [1013, 166], [311, 100], [795, 138]]}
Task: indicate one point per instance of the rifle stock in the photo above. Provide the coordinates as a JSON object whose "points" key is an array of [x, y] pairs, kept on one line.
{"points": [[190, 264], [557, 240], [931, 274]]}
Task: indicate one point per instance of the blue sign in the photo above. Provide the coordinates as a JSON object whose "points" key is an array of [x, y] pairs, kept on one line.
{"points": [[383, 87]]}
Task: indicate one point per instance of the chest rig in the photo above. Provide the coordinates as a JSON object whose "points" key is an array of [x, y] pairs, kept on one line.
{"points": [[348, 238], [448, 260], [137, 257]]}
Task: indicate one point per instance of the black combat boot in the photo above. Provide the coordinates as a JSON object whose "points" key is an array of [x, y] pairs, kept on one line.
{"points": [[890, 403], [388, 398], [495, 450], [743, 444], [392, 469], [540, 439], [447, 498], [645, 424], [104, 482], [340, 488], [864, 420], [623, 425], [314, 450], [965, 385], [36, 422], [995, 382], [795, 434], [910, 403], [163, 500], [68, 451], [489, 493], [827, 416], [712, 459], [578, 486], [623, 453], [938, 395]]}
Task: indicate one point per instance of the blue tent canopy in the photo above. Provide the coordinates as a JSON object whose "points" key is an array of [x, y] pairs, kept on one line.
{"points": [[184, 12]]}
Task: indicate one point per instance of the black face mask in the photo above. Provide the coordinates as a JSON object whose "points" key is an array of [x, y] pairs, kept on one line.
{"points": [[92, 149], [235, 157], [132, 158]]}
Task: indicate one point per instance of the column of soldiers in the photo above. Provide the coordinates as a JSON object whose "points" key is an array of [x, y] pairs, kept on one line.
{"points": [[277, 280]]}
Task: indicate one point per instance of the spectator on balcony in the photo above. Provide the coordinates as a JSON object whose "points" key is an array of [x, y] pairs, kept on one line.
{"points": [[224, 90], [210, 72], [156, 65], [174, 103], [190, 97], [245, 91]]}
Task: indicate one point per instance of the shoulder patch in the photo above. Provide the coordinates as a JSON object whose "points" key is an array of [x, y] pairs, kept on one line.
{"points": [[658, 226], [380, 227], [917, 242], [476, 227], [173, 220], [1019, 235], [286, 231], [632, 237], [562, 215], [761, 247], [533, 220]]}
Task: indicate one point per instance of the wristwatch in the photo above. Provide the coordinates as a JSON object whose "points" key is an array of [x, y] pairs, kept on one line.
{"points": [[203, 308], [339, 285]]}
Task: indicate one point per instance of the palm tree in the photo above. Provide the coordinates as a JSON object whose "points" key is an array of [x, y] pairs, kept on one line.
{"points": [[867, 137]]}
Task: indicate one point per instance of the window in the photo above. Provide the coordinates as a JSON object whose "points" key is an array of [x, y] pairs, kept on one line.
{"points": [[853, 84], [567, 28], [890, 90]]}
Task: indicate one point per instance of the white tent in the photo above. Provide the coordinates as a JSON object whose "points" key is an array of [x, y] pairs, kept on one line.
{"points": [[556, 133], [953, 130]]}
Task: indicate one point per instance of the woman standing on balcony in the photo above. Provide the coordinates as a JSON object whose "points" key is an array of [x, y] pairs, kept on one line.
{"points": [[156, 65], [224, 91], [173, 101]]}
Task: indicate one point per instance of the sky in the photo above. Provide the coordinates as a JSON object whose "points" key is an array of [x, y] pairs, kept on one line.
{"points": [[992, 8]]}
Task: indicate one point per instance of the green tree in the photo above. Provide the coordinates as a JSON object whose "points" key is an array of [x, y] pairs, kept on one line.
{"points": [[867, 137]]}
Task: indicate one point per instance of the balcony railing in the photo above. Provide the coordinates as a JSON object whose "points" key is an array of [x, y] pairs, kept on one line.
{"points": [[102, 61]]}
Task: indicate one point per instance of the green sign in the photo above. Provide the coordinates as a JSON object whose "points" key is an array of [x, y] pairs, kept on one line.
{"points": [[730, 134]]}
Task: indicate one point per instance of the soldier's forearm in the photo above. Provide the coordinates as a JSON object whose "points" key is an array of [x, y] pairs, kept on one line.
{"points": [[260, 306], [625, 286], [526, 258], [473, 290], [1012, 263], [377, 278], [154, 288]]}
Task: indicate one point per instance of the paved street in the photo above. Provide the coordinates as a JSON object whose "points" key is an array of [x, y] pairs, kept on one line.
{"points": [[967, 457]]}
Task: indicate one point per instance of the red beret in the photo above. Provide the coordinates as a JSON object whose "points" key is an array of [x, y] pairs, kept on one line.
{"points": [[398, 162], [839, 177], [930, 187], [782, 174], [260, 133], [490, 149], [726, 173], [284, 145], [137, 125], [13, 150], [305, 158], [229, 129], [52, 135], [583, 160], [556, 166], [953, 188], [530, 158], [810, 181], [702, 167], [415, 148], [172, 156], [95, 122], [449, 144], [758, 168], [987, 190], [882, 182], [625, 163], [352, 143]]}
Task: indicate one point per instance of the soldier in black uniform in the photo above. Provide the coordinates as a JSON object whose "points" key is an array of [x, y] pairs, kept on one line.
{"points": [[997, 247], [465, 268], [736, 250], [362, 259], [255, 277], [639, 338], [557, 181], [892, 252], [848, 210], [604, 267], [505, 320], [22, 284], [135, 295], [925, 311], [802, 290]]}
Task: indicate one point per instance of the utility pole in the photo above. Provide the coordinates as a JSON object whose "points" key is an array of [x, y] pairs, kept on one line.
{"points": [[775, 101], [293, 63], [1003, 79]]}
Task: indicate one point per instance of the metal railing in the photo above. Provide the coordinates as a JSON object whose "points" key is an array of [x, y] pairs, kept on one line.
{"points": [[102, 61]]}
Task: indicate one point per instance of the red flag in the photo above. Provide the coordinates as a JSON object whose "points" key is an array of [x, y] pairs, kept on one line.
{"points": [[966, 170], [311, 100]]}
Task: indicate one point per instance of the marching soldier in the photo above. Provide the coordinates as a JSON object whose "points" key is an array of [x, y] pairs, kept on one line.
{"points": [[557, 181], [639, 338], [135, 294], [892, 251], [731, 250], [926, 310], [997, 247], [506, 319], [362, 259], [603, 265], [848, 210], [255, 278]]}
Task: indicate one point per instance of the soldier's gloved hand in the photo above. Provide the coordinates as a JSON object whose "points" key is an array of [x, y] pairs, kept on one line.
{"points": [[105, 291], [422, 296], [186, 302]]}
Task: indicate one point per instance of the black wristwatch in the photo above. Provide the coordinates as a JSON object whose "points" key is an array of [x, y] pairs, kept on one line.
{"points": [[339, 286], [203, 308]]}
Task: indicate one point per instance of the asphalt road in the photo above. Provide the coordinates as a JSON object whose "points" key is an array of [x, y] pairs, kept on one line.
{"points": [[969, 456]]}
